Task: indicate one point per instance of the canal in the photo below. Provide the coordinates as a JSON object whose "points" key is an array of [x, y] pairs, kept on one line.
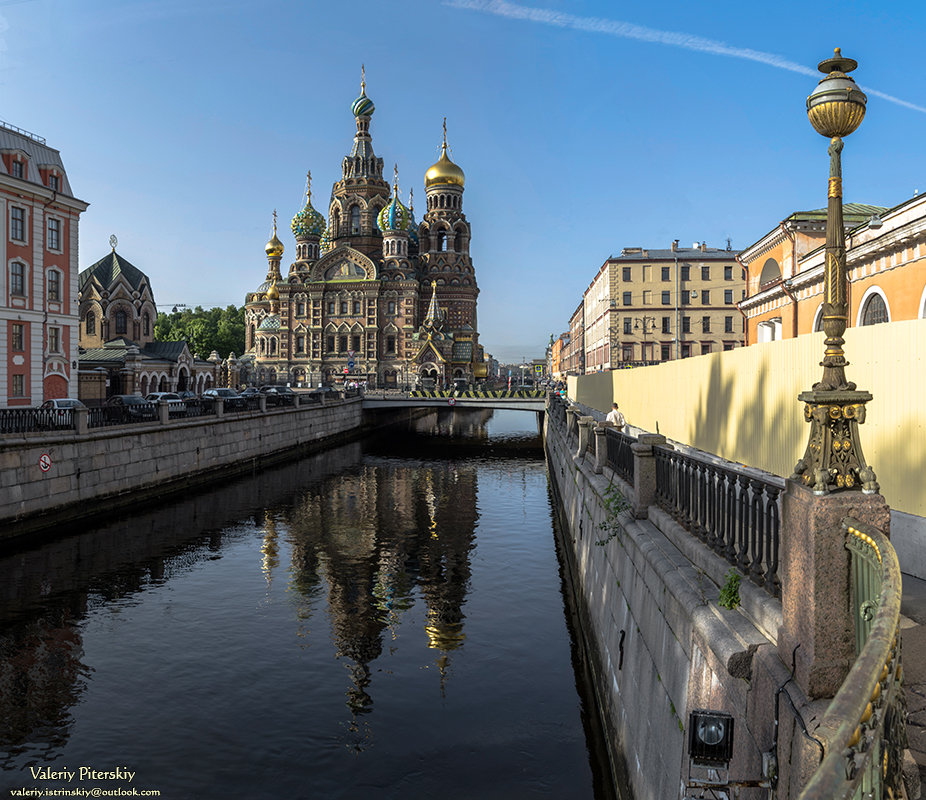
{"points": [[386, 619]]}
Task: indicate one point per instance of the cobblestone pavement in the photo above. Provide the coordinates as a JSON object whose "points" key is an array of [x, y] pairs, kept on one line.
{"points": [[913, 643]]}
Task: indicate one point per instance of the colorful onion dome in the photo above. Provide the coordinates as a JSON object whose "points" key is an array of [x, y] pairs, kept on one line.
{"points": [[269, 323], [363, 105], [274, 248], [308, 222], [324, 244], [394, 217], [444, 171]]}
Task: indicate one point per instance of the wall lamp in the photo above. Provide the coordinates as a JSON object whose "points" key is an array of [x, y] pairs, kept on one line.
{"points": [[710, 738]]}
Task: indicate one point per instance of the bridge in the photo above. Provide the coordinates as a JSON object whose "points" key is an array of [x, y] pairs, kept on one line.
{"points": [[517, 400]]}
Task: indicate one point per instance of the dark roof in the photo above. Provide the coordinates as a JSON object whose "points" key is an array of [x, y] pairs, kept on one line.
{"points": [[117, 349], [682, 253], [109, 268], [852, 214], [170, 350]]}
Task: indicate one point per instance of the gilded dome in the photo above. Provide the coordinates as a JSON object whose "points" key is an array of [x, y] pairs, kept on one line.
{"points": [[444, 172], [273, 293], [274, 248]]}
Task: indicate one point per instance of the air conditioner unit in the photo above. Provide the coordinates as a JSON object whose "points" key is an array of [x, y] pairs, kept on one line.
{"points": [[694, 293]]}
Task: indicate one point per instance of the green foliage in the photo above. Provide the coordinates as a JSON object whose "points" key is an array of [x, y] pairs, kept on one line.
{"points": [[730, 591], [204, 330], [614, 503]]}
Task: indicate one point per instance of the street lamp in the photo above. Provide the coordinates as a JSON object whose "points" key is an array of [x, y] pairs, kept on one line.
{"points": [[644, 322], [834, 408]]}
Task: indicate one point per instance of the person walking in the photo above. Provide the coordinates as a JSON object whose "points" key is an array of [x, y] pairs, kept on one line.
{"points": [[615, 417]]}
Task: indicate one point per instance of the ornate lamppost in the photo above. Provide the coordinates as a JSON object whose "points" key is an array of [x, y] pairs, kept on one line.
{"points": [[834, 407]]}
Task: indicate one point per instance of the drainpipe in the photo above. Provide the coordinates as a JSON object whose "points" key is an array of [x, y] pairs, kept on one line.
{"points": [[678, 300], [737, 304], [784, 283]]}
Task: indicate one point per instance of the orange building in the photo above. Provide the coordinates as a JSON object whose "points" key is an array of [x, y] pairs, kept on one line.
{"points": [[885, 261], [559, 352], [38, 279]]}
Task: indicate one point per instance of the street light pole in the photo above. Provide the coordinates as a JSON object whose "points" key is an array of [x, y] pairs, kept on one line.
{"points": [[833, 458], [644, 322]]}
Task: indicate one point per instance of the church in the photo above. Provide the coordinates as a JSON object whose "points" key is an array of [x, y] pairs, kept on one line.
{"points": [[373, 296]]}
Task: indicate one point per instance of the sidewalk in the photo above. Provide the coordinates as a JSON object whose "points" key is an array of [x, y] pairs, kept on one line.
{"points": [[913, 642]]}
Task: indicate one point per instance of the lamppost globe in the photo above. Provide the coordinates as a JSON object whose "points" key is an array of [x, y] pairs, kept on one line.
{"points": [[837, 106]]}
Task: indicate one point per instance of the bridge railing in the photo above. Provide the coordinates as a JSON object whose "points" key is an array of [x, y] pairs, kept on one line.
{"points": [[619, 455], [867, 715], [736, 514]]}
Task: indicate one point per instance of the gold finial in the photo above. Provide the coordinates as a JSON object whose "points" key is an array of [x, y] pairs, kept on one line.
{"points": [[308, 186], [433, 286], [363, 79], [411, 200], [274, 222], [396, 180], [838, 52], [445, 133]]}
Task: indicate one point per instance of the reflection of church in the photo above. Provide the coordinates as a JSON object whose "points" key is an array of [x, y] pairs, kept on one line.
{"points": [[372, 295]]}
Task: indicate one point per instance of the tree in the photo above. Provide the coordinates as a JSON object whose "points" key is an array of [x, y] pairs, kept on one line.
{"points": [[204, 330]]}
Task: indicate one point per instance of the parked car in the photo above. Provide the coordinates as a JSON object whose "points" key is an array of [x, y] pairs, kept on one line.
{"points": [[250, 391], [231, 399], [187, 395], [173, 399], [57, 412], [132, 406], [278, 395]]}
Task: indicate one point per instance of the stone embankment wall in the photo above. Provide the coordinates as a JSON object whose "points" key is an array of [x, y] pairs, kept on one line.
{"points": [[657, 642], [111, 467]]}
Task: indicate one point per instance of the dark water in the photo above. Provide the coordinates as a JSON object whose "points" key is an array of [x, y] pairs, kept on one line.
{"points": [[384, 620]]}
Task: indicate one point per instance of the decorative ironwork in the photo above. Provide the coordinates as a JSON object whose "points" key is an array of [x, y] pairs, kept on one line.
{"points": [[619, 454], [868, 714], [736, 515]]}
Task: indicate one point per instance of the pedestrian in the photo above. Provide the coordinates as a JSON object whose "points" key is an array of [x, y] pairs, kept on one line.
{"points": [[615, 417]]}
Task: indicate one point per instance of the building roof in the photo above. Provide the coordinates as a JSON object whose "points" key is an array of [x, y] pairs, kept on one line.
{"points": [[39, 153], [681, 253], [117, 350], [852, 214], [108, 269]]}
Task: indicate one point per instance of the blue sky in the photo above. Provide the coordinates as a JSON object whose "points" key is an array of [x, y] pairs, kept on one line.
{"points": [[583, 127]]}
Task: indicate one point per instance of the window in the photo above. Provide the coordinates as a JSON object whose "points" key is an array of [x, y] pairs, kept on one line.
{"points": [[300, 344], [331, 307], [686, 350], [146, 324], [665, 274], [54, 340], [18, 385], [54, 183], [90, 325], [705, 273], [666, 352], [121, 321], [686, 324], [647, 297], [728, 297], [355, 220], [390, 344], [54, 285], [728, 345], [666, 325], [627, 352], [356, 307], [875, 311], [728, 324], [686, 273], [16, 169], [342, 344], [343, 306], [667, 298], [628, 325], [728, 273], [54, 234], [18, 224], [705, 324], [300, 309], [628, 299], [355, 343], [705, 297], [18, 338], [390, 307], [686, 297], [329, 344], [625, 274], [705, 348], [18, 279]]}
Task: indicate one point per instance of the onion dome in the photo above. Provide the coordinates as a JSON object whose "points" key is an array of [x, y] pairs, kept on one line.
{"points": [[273, 293], [444, 171], [274, 248], [308, 222], [395, 216], [363, 105]]}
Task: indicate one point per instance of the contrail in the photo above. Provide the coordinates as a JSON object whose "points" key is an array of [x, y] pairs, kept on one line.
{"points": [[627, 30]]}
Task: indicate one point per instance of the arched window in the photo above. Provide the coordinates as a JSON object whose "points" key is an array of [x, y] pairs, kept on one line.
{"points": [[253, 331], [458, 242], [818, 320], [336, 223], [770, 272], [90, 324], [273, 347], [443, 201], [875, 311], [441, 243], [390, 307], [121, 322], [355, 220], [146, 324]]}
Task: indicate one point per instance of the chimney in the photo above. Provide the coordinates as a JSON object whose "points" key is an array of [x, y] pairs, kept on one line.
{"points": [[674, 245], [703, 246]]}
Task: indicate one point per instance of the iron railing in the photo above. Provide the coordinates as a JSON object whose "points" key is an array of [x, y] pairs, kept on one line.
{"points": [[29, 420], [735, 514], [868, 713], [105, 416], [619, 454]]}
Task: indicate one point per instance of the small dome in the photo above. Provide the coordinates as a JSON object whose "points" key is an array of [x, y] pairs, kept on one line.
{"points": [[308, 222], [269, 323], [274, 248], [363, 105], [444, 172], [395, 216], [273, 293]]}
